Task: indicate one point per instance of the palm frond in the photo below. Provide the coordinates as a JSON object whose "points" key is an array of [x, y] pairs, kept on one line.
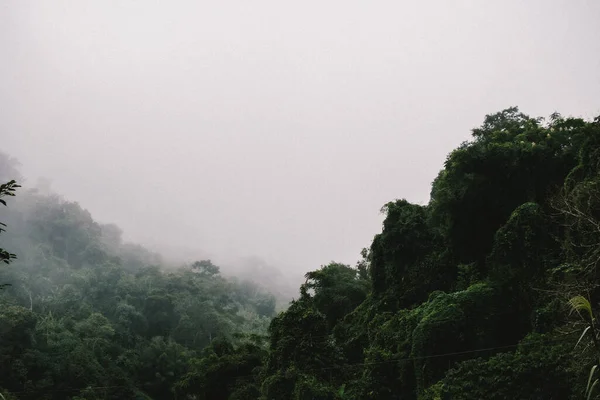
{"points": [[581, 304]]}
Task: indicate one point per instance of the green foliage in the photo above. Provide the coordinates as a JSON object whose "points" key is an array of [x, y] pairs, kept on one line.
{"points": [[536, 370], [6, 189], [511, 224], [205, 268], [514, 159], [304, 357], [224, 372], [462, 298], [88, 316], [338, 289], [399, 253]]}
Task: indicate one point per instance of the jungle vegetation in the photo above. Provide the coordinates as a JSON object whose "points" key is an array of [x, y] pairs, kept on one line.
{"points": [[488, 291]]}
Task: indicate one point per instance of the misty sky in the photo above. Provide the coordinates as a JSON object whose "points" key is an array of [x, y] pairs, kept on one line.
{"points": [[273, 128]]}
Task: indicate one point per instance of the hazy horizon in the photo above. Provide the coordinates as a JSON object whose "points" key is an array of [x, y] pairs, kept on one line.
{"points": [[270, 129]]}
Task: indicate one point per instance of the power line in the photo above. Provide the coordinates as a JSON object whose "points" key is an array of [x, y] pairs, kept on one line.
{"points": [[456, 353], [362, 364]]}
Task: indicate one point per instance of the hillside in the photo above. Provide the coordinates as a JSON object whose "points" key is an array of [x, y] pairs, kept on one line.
{"points": [[488, 291], [85, 315], [469, 294]]}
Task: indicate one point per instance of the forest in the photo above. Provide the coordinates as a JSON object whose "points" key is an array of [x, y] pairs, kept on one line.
{"points": [[488, 291]]}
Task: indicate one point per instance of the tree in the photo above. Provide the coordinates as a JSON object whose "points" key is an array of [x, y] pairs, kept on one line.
{"points": [[205, 268], [224, 372], [337, 290]]}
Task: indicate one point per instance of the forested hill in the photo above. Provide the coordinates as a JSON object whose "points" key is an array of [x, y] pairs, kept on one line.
{"points": [[86, 316], [487, 292], [468, 295]]}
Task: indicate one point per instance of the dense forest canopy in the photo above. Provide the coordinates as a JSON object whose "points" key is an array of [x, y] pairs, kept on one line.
{"points": [[488, 291], [85, 315]]}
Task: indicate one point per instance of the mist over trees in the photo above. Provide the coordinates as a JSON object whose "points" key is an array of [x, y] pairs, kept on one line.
{"points": [[488, 291], [85, 315]]}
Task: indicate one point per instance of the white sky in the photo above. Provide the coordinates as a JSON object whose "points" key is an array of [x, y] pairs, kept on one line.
{"points": [[273, 128]]}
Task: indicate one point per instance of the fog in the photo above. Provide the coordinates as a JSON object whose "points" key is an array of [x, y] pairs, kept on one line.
{"points": [[271, 128]]}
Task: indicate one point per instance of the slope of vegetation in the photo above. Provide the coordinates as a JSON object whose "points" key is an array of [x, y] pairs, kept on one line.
{"points": [[86, 316], [463, 298], [467, 295]]}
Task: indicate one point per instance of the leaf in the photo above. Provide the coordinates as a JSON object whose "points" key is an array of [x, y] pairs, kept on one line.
{"points": [[579, 304], [592, 389], [592, 370], [582, 335]]}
